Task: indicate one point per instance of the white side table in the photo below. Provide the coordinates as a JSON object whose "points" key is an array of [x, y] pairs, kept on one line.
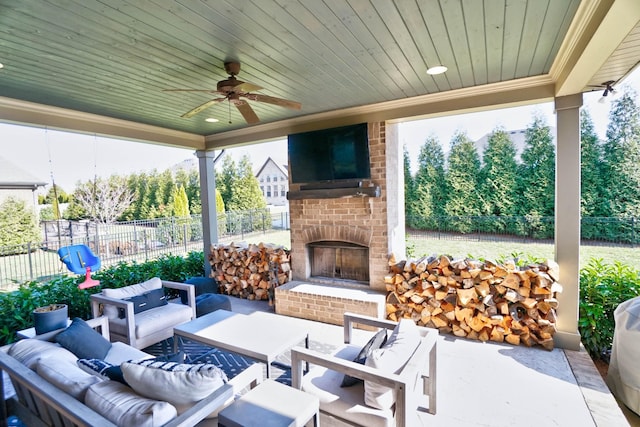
{"points": [[272, 404], [31, 332]]}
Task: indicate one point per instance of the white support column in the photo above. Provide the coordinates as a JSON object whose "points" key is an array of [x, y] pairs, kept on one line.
{"points": [[395, 191], [208, 199], [567, 218]]}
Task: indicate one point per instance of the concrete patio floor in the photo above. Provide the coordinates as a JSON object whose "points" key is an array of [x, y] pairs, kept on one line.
{"points": [[491, 384]]}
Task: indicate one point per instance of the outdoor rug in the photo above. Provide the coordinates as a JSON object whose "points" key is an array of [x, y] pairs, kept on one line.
{"points": [[231, 363]]}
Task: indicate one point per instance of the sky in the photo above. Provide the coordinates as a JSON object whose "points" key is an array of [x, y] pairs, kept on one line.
{"points": [[72, 157]]}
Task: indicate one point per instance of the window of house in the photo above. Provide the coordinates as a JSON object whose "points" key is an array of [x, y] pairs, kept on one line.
{"points": [[268, 179], [282, 192], [268, 190]]}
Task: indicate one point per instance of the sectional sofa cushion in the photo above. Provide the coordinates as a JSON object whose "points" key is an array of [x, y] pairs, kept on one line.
{"points": [[83, 341], [67, 376], [30, 351], [391, 358], [177, 383], [122, 406]]}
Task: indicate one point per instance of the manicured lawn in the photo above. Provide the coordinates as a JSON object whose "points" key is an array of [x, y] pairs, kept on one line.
{"points": [[494, 249]]}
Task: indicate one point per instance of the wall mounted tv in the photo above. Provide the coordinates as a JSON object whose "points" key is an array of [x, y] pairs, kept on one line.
{"points": [[329, 155]]}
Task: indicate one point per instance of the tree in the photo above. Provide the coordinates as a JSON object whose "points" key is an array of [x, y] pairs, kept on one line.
{"points": [[409, 193], [245, 194], [536, 173], [498, 175], [462, 181], [180, 203], [17, 225], [622, 156], [429, 185], [54, 190], [104, 199], [227, 180], [592, 191]]}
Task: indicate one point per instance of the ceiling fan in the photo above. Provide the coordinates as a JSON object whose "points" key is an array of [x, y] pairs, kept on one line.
{"points": [[233, 90]]}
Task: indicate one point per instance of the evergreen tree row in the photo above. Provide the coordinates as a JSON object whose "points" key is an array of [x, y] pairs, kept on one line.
{"points": [[165, 194], [498, 191]]}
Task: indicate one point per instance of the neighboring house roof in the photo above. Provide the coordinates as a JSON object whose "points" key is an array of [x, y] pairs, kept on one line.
{"points": [[269, 159], [13, 177], [516, 136]]}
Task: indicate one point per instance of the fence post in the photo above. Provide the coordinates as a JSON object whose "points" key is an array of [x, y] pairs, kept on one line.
{"points": [[264, 230], [173, 230], [184, 235], [97, 240], [135, 235], [146, 246], [30, 261]]}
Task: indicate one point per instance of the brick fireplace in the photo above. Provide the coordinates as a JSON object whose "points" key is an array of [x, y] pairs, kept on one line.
{"points": [[342, 243]]}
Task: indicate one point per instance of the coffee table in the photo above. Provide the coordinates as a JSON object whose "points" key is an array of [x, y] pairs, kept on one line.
{"points": [[259, 336]]}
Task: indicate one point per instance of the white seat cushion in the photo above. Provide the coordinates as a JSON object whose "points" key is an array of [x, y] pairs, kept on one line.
{"points": [[122, 406], [154, 320], [344, 402], [121, 352]]}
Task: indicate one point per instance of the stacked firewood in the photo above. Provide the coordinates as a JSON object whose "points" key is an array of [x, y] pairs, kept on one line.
{"points": [[479, 300], [248, 270]]}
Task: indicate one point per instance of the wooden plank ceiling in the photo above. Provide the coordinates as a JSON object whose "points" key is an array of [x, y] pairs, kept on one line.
{"points": [[114, 58]]}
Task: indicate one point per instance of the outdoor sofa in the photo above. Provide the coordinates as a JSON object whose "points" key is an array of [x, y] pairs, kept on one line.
{"points": [[51, 389]]}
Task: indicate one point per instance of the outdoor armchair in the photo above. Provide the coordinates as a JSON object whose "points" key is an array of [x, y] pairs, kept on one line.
{"points": [[390, 396], [142, 314]]}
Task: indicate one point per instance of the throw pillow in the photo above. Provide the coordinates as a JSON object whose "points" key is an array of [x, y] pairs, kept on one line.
{"points": [[376, 341], [128, 291], [83, 341], [177, 383], [391, 358], [144, 302], [102, 369]]}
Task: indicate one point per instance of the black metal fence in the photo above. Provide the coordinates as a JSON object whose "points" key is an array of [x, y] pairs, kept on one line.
{"points": [[142, 240], [624, 231]]}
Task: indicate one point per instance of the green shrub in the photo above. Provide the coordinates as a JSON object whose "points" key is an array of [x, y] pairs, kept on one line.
{"points": [[602, 288], [16, 307], [17, 226]]}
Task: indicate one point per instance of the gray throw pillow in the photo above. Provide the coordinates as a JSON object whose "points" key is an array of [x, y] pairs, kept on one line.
{"points": [[377, 341], [83, 341]]}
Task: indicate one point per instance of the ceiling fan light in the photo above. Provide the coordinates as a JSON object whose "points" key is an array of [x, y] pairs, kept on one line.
{"points": [[211, 120], [438, 69]]}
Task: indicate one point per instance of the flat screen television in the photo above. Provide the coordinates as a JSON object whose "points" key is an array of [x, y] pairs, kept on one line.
{"points": [[329, 155]]}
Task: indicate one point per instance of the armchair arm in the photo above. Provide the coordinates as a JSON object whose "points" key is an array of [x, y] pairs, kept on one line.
{"points": [[97, 299], [351, 318], [249, 378], [188, 288]]}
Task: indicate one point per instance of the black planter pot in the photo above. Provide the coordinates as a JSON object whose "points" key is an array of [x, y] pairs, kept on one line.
{"points": [[50, 318]]}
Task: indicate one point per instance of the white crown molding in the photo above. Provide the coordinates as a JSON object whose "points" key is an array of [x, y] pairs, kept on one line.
{"points": [[40, 115]]}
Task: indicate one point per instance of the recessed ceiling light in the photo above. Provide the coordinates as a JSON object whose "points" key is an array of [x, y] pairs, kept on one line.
{"points": [[438, 69], [211, 120]]}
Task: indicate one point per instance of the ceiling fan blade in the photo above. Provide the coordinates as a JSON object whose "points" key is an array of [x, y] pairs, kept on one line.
{"points": [[275, 101], [201, 107], [246, 111], [189, 90], [247, 87]]}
